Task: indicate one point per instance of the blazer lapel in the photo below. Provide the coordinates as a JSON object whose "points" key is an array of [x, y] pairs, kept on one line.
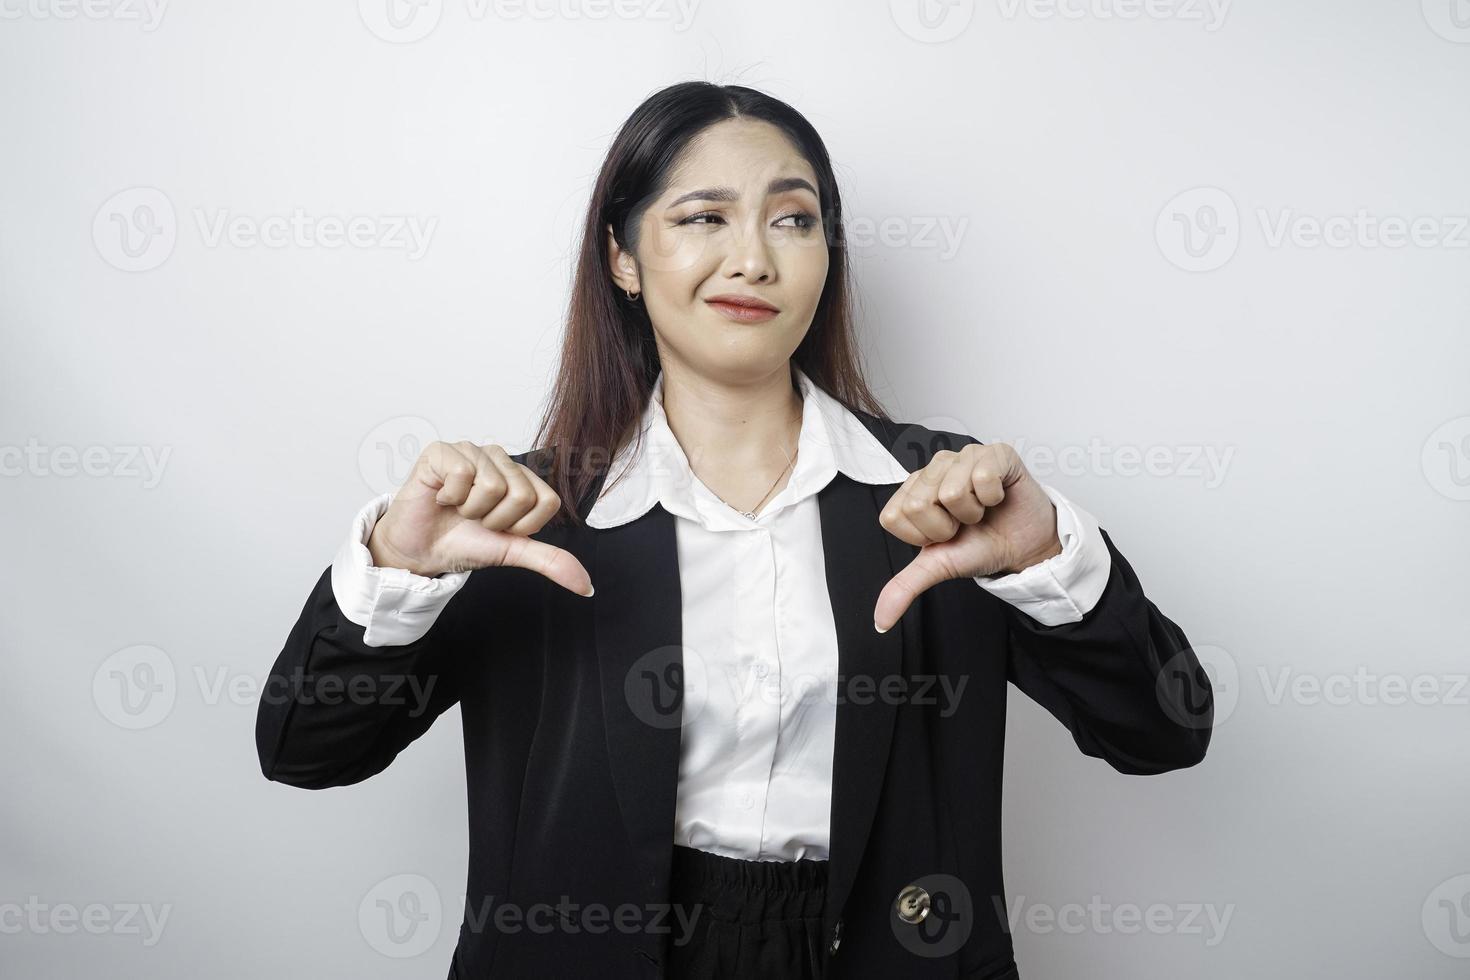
{"points": [[860, 557], [639, 628]]}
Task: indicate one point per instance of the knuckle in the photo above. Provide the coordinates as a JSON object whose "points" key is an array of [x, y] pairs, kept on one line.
{"points": [[521, 497], [490, 478]]}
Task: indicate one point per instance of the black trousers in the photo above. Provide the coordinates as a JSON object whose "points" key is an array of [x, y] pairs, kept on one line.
{"points": [[750, 918]]}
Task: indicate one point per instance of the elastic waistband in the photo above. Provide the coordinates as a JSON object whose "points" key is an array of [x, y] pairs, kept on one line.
{"points": [[745, 890]]}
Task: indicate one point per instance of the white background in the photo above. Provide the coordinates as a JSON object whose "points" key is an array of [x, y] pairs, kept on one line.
{"points": [[1067, 150]]}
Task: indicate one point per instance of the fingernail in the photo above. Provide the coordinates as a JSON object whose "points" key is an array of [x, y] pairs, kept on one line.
{"points": [[879, 628], [589, 591]]}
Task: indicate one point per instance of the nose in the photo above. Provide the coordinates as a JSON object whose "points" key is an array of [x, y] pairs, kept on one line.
{"points": [[749, 253]]}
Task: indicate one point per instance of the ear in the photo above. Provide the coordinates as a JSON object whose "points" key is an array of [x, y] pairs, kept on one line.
{"points": [[621, 265]]}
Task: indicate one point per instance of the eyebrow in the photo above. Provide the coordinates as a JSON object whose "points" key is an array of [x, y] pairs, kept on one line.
{"points": [[777, 186]]}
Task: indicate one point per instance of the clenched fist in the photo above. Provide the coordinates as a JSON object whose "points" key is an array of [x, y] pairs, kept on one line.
{"points": [[973, 512], [466, 506]]}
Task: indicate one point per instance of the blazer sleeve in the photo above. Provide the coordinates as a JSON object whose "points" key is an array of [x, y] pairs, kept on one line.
{"points": [[1123, 679], [335, 711]]}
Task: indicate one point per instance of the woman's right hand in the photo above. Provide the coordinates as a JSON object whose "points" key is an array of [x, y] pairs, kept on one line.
{"points": [[466, 506]]}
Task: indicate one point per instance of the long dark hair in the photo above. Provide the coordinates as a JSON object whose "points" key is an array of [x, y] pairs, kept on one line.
{"points": [[608, 358]]}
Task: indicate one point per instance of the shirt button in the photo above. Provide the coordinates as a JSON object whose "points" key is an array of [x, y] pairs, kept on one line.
{"points": [[761, 670]]}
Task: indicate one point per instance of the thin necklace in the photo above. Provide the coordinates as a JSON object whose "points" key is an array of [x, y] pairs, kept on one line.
{"points": [[751, 513]]}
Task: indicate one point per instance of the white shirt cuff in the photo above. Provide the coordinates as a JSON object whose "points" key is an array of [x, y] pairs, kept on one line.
{"points": [[1064, 588], [393, 605]]}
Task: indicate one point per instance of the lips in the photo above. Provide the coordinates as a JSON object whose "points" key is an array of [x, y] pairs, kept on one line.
{"points": [[745, 309], [749, 302]]}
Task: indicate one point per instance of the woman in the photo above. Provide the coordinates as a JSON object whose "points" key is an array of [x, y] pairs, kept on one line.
{"points": [[712, 765]]}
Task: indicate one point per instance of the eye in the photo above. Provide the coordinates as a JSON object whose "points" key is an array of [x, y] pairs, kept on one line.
{"points": [[805, 219]]}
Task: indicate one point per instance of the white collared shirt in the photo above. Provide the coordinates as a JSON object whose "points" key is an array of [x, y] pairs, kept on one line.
{"points": [[760, 644]]}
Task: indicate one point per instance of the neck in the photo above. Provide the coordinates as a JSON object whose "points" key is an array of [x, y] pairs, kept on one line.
{"points": [[737, 436]]}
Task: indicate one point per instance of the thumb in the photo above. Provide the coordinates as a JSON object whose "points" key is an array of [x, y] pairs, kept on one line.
{"points": [[925, 571], [557, 564]]}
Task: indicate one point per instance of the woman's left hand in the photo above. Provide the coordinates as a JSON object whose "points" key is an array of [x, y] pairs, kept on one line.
{"points": [[973, 512]]}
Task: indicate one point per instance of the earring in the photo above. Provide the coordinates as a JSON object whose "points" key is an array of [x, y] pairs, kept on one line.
{"points": [[632, 295]]}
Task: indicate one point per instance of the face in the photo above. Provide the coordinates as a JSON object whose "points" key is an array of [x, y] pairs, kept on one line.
{"points": [[740, 218]]}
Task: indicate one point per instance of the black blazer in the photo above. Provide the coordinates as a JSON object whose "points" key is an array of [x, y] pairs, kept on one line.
{"points": [[569, 708]]}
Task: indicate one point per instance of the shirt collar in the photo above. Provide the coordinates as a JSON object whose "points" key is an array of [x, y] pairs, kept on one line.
{"points": [[832, 439]]}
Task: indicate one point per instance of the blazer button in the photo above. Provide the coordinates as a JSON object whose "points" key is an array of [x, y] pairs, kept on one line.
{"points": [[912, 904], [836, 938]]}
